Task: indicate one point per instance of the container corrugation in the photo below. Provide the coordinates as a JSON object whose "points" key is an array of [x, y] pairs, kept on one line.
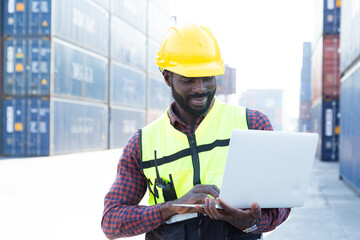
{"points": [[79, 73], [350, 129], [83, 23], [331, 67], [133, 12], [326, 122], [128, 45], [124, 123], [156, 19], [159, 94], [26, 126], [350, 33], [78, 126], [127, 86], [15, 15]]}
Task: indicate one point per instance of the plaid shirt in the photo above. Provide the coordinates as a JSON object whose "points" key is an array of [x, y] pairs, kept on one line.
{"points": [[123, 216]]}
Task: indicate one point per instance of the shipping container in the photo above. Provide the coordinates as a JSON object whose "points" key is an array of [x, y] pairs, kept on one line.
{"points": [[123, 124], [78, 126], [81, 22], [267, 101], [133, 12], [325, 80], [350, 34], [350, 128], [305, 111], [159, 96], [128, 45], [327, 18], [325, 116], [79, 73], [37, 126], [304, 126], [26, 126], [127, 86], [305, 91]]}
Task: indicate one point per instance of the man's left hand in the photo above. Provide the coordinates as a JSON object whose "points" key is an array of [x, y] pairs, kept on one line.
{"points": [[240, 218]]}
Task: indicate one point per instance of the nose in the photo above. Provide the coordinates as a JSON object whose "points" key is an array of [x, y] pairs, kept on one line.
{"points": [[199, 85]]}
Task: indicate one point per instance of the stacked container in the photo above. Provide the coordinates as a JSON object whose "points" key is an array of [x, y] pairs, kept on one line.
{"points": [[268, 101], [75, 74], [325, 79], [305, 90], [226, 84], [350, 94]]}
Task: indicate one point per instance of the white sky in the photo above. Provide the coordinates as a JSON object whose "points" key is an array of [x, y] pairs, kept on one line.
{"points": [[262, 39]]}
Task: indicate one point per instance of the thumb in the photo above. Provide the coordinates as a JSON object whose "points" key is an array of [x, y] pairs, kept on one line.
{"points": [[255, 210]]}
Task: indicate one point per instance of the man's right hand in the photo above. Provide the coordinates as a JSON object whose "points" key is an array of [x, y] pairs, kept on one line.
{"points": [[196, 195]]}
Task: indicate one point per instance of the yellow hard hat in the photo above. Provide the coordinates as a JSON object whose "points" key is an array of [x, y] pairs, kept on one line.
{"points": [[191, 51]]}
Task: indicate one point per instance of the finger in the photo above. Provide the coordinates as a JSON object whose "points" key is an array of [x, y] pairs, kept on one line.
{"points": [[255, 210], [212, 190], [213, 210], [227, 207]]}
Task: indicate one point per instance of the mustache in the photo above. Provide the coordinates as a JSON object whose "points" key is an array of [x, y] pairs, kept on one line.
{"points": [[197, 95]]}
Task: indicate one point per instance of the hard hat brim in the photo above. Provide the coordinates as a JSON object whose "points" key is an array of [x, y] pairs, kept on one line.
{"points": [[199, 70]]}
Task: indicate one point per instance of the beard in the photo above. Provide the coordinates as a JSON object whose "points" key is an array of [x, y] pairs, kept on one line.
{"points": [[184, 102]]}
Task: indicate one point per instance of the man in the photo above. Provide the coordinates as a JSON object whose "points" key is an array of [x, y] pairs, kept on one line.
{"points": [[181, 156]]}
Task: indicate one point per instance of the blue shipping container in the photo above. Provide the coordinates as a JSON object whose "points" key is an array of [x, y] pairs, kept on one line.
{"points": [[331, 17], [124, 123], [82, 23], [127, 86], [350, 129], [15, 67], [305, 94], [326, 122], [26, 126], [27, 17], [78, 126], [79, 73], [128, 45], [133, 12]]}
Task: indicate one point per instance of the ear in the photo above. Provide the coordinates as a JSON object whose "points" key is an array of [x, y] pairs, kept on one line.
{"points": [[167, 77]]}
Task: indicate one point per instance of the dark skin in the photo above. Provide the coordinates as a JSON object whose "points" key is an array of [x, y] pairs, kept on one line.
{"points": [[186, 87]]}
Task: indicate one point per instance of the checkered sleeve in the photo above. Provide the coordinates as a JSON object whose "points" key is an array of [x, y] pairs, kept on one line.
{"points": [[270, 217], [122, 215]]}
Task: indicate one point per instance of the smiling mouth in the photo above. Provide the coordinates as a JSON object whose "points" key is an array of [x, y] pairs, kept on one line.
{"points": [[198, 102]]}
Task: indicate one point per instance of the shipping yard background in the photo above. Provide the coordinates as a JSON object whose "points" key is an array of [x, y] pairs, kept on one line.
{"points": [[79, 77]]}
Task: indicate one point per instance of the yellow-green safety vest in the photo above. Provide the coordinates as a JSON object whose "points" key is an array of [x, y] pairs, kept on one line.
{"points": [[189, 160]]}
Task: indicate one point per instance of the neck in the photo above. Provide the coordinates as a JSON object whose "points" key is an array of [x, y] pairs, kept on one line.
{"points": [[186, 117]]}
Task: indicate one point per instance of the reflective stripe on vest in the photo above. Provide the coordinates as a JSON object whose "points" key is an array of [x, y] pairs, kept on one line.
{"points": [[189, 160]]}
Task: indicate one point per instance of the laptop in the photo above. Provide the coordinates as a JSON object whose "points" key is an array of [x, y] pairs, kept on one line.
{"points": [[272, 168]]}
